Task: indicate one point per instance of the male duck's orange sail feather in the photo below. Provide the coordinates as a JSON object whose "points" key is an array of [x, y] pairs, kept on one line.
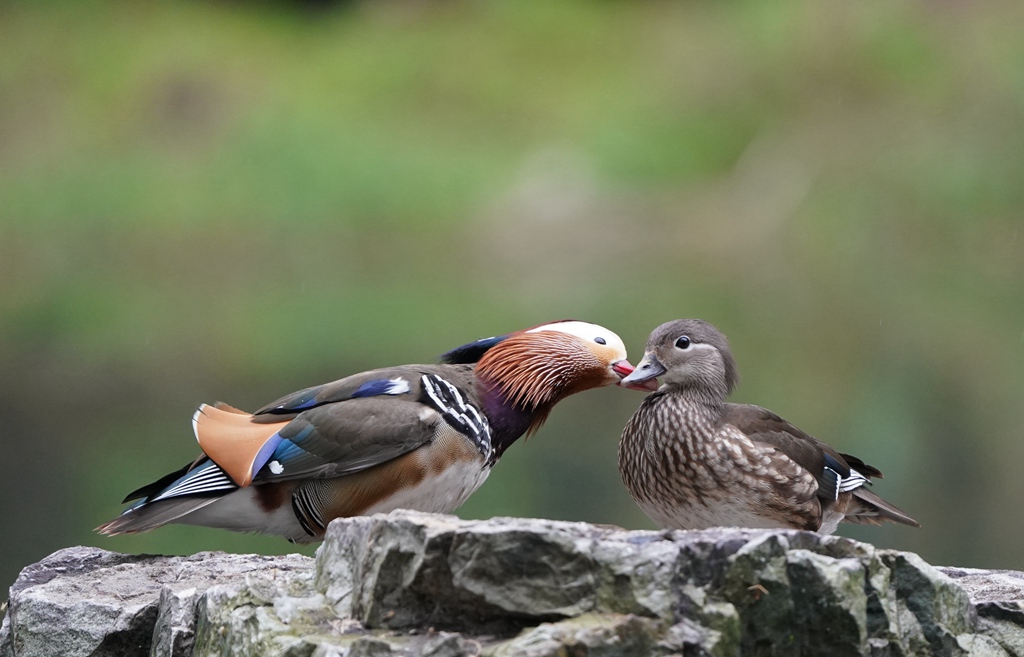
{"points": [[232, 440]]}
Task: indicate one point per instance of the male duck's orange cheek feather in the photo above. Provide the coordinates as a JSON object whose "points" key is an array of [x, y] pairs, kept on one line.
{"points": [[611, 365], [233, 441]]}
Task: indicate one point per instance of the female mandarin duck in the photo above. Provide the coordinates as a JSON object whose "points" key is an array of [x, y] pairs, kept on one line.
{"points": [[693, 461], [416, 436]]}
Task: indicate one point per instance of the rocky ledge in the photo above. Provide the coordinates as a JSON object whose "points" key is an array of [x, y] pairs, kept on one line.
{"points": [[418, 584]]}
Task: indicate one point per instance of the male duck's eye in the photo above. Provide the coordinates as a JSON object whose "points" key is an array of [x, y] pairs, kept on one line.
{"points": [[600, 341], [683, 342]]}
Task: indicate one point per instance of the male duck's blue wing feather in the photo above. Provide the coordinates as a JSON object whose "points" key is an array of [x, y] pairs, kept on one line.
{"points": [[346, 427], [390, 381], [362, 421], [345, 437]]}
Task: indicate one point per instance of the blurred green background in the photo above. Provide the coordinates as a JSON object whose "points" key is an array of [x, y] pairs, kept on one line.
{"points": [[230, 201]]}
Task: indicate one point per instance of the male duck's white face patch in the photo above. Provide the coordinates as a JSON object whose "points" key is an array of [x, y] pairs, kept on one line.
{"points": [[589, 333]]}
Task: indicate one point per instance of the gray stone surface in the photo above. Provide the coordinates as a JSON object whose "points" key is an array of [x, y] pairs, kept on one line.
{"points": [[416, 584], [87, 601]]}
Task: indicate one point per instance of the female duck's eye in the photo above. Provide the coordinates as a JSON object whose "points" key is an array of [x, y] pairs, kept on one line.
{"points": [[600, 341], [683, 342]]}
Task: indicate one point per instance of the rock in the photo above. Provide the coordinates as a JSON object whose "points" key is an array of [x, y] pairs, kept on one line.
{"points": [[996, 592], [174, 631], [996, 595], [931, 609], [611, 635], [446, 644], [87, 601], [417, 584], [116, 617], [421, 569]]}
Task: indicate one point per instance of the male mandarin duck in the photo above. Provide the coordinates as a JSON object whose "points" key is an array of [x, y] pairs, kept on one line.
{"points": [[419, 437], [693, 461]]}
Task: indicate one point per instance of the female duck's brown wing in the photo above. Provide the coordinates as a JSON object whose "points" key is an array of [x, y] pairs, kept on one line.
{"points": [[832, 470], [836, 473]]}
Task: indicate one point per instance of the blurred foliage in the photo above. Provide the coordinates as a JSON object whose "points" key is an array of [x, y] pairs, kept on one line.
{"points": [[204, 201]]}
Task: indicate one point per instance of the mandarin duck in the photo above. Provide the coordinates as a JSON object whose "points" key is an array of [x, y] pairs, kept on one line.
{"points": [[420, 437], [692, 461]]}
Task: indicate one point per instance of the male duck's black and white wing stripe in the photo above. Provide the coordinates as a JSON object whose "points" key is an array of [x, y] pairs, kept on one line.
{"points": [[457, 411]]}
